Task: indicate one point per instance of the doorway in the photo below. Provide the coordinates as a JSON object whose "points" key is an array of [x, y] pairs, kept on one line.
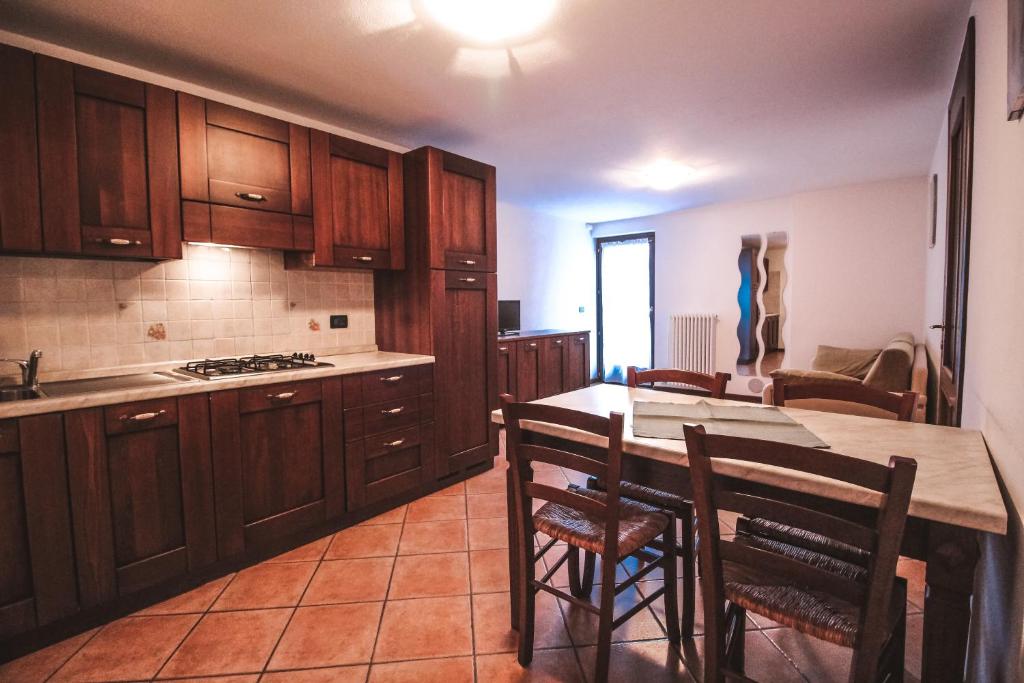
{"points": [[958, 238], [625, 305]]}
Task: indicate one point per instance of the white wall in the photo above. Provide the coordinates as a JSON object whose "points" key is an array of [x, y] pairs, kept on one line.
{"points": [[855, 265], [994, 377]]}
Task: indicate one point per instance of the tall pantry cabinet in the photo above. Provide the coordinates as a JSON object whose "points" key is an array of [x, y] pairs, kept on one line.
{"points": [[445, 302]]}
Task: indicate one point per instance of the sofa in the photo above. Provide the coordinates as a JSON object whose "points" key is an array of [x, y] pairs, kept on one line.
{"points": [[901, 365]]}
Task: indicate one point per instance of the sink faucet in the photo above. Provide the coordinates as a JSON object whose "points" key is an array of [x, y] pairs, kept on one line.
{"points": [[29, 368]]}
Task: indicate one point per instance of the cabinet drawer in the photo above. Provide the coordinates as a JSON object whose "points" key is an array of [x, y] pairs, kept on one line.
{"points": [[278, 395], [9, 437], [250, 228], [133, 417], [388, 385], [457, 280], [454, 260], [388, 416], [389, 443]]}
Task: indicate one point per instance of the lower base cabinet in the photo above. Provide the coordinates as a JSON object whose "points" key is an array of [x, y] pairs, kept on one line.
{"points": [[538, 367]]}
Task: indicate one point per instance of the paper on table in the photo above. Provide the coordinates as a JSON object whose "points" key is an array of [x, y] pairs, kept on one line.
{"points": [[662, 420]]}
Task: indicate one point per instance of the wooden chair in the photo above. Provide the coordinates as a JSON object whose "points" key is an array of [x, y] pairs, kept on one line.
{"points": [[850, 392], [837, 583], [594, 521], [679, 506]]}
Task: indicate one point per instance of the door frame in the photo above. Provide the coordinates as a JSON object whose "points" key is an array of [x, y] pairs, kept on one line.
{"points": [[599, 243]]}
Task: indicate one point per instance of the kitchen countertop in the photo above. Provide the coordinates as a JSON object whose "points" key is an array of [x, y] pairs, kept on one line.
{"points": [[535, 334], [343, 364]]}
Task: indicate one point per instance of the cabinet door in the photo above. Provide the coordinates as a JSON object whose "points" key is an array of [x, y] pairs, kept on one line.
{"points": [[464, 308], [553, 365], [19, 173], [108, 163], [528, 370], [357, 198], [387, 465], [278, 456], [507, 368], [141, 494], [577, 375], [37, 579]]}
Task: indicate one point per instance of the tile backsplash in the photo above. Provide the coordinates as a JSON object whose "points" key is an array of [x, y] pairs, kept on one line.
{"points": [[216, 301]]}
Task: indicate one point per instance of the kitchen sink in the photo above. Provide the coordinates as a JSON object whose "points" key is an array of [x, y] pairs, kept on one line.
{"points": [[18, 394], [116, 383]]}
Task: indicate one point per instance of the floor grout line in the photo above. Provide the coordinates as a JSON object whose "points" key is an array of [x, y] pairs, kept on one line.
{"points": [[384, 605]]}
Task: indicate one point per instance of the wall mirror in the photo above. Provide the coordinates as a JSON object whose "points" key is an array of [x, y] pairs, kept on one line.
{"points": [[762, 304]]}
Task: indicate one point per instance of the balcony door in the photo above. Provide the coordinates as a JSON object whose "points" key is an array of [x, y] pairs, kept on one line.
{"points": [[625, 304]]}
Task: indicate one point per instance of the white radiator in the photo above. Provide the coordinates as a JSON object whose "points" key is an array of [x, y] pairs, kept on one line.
{"points": [[692, 340]]}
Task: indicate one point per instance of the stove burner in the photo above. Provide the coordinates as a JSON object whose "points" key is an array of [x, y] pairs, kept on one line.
{"points": [[230, 367]]}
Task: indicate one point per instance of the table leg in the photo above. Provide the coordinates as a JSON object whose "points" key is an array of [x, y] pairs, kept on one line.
{"points": [[952, 557], [513, 550]]}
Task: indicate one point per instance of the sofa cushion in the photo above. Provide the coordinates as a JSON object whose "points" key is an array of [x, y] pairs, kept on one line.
{"points": [[791, 376], [891, 371], [851, 362]]}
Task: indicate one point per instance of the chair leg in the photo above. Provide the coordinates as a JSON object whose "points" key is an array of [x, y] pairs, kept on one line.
{"points": [[586, 585], [668, 568], [575, 582], [527, 597], [689, 580], [735, 630], [606, 617]]}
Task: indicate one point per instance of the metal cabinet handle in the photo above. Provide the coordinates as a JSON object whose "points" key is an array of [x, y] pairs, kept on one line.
{"points": [[392, 379], [117, 242], [533, 345], [503, 348], [251, 196], [363, 259], [283, 396], [393, 411], [558, 341], [582, 339], [467, 279], [142, 417], [467, 262], [395, 443]]}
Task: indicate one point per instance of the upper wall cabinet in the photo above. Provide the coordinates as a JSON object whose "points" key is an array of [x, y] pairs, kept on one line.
{"points": [[454, 197], [245, 177], [357, 205], [19, 173], [108, 163]]}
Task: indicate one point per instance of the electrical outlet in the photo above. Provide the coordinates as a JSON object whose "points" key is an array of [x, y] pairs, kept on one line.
{"points": [[338, 321]]}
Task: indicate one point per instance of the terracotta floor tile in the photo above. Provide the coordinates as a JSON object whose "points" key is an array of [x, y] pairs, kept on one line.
{"points": [[450, 670], [913, 572], [392, 516], [129, 648], [658, 606], [763, 661], [40, 665], [360, 580], [424, 628], [491, 481], [583, 624], [488, 570], [427, 576], [334, 674], [650, 661], [492, 630], [548, 666], [816, 659], [311, 552], [487, 506], [487, 534], [228, 642], [365, 541], [453, 490], [433, 509], [574, 477], [433, 537], [196, 601], [240, 678], [266, 585], [328, 635], [560, 579]]}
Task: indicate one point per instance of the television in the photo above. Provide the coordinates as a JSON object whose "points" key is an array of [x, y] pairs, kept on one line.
{"points": [[508, 317]]}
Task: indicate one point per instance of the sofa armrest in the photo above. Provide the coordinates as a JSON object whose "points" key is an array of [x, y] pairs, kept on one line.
{"points": [[919, 381]]}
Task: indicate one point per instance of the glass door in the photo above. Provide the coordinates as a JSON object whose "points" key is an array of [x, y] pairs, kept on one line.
{"points": [[625, 305]]}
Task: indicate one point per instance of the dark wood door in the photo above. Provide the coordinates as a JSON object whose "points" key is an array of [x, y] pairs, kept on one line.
{"points": [[464, 308], [554, 357], [958, 237], [108, 163], [37, 579], [141, 494], [357, 199], [528, 370], [577, 367], [507, 367], [20, 228], [277, 450]]}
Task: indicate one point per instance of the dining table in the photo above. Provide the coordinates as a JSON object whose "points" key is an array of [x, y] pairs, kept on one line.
{"points": [[956, 495]]}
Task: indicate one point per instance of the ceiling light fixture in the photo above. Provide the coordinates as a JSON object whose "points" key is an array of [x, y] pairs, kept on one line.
{"points": [[661, 174], [490, 22]]}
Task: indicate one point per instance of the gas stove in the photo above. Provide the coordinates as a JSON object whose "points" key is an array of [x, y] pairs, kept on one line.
{"points": [[226, 368]]}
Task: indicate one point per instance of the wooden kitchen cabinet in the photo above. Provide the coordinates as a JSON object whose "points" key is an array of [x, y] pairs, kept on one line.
{"points": [[553, 366], [577, 366], [141, 482], [358, 219], [108, 163], [277, 453], [507, 351], [548, 362], [20, 227], [37, 577], [452, 199], [245, 177], [528, 369]]}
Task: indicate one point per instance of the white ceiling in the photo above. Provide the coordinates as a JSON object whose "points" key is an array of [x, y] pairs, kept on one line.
{"points": [[762, 97]]}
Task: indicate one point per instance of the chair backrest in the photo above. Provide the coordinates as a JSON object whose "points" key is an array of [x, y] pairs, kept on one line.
{"points": [[520, 456], [881, 538], [902, 405], [713, 383]]}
